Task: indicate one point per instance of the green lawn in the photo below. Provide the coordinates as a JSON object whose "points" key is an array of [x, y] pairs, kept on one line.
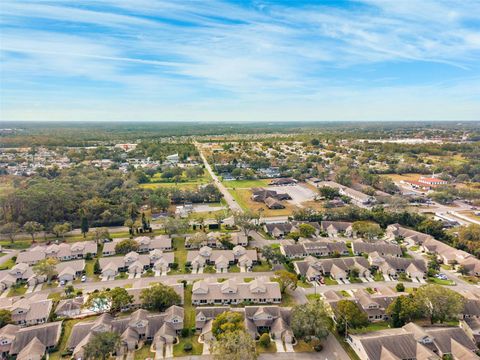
{"points": [[17, 244], [234, 269], [17, 290], [378, 276], [189, 323], [329, 281], [434, 280], [414, 248], [122, 275], [180, 255], [302, 346], [262, 267], [246, 183], [272, 348], [470, 279], [55, 296], [304, 284], [354, 280], [312, 297], [7, 264], [144, 353], [376, 326], [287, 300], [345, 293]]}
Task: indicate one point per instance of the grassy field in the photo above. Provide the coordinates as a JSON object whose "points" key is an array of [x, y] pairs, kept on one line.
{"points": [[470, 214], [405, 177], [144, 353], [7, 264], [434, 280], [184, 184], [272, 348], [376, 326], [287, 300], [302, 346], [17, 290], [246, 184], [243, 198], [189, 323]]}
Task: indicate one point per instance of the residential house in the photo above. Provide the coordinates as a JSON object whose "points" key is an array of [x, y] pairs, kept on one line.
{"points": [[471, 326], [31, 311], [283, 182], [213, 240], [306, 247], [231, 291], [339, 269], [145, 244], [272, 319], [7, 335], [394, 231], [337, 228], [135, 263], [70, 308], [394, 266], [20, 273], [141, 325], [384, 248], [375, 305], [71, 270], [222, 259], [33, 342], [279, 230], [414, 342]]}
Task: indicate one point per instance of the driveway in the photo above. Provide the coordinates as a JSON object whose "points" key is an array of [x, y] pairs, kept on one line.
{"points": [[279, 344]]}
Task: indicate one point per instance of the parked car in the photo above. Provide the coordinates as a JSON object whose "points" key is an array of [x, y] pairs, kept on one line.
{"points": [[84, 278]]}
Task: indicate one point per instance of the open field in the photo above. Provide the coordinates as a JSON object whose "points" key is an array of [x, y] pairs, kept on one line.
{"points": [[246, 184], [184, 183], [405, 177], [242, 197]]}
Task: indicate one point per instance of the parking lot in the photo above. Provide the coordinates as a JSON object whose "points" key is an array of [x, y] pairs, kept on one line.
{"points": [[299, 193]]}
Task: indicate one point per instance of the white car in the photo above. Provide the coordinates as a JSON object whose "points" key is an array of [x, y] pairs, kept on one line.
{"points": [[84, 278]]}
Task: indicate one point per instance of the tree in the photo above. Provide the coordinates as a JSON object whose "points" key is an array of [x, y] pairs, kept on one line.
{"points": [[403, 310], [159, 202], [348, 314], [10, 229], [159, 297], [126, 246], [96, 267], [310, 320], [286, 280], [439, 303], [329, 193], [227, 321], [306, 230], [31, 228], [61, 229], [198, 239], [101, 346], [245, 221], [5, 317], [367, 229], [235, 345], [400, 287], [69, 290], [84, 227], [100, 234], [130, 224], [271, 255], [115, 299], [47, 268], [264, 340], [176, 226]]}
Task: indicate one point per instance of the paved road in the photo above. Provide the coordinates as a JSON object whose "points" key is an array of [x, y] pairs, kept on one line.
{"points": [[226, 194]]}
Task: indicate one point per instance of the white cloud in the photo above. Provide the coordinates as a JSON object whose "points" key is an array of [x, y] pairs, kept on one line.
{"points": [[193, 52]]}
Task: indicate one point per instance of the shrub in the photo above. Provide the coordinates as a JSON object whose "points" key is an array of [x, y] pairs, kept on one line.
{"points": [[185, 332], [318, 347], [174, 266], [264, 340], [187, 346], [400, 287]]}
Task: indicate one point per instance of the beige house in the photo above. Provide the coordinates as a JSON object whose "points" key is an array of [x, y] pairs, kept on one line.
{"points": [[314, 269], [135, 263], [145, 244], [33, 342], [231, 291], [30, 311], [141, 325], [61, 252], [414, 342], [274, 320], [222, 259]]}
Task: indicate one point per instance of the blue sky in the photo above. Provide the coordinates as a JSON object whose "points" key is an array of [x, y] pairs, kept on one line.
{"points": [[239, 60]]}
